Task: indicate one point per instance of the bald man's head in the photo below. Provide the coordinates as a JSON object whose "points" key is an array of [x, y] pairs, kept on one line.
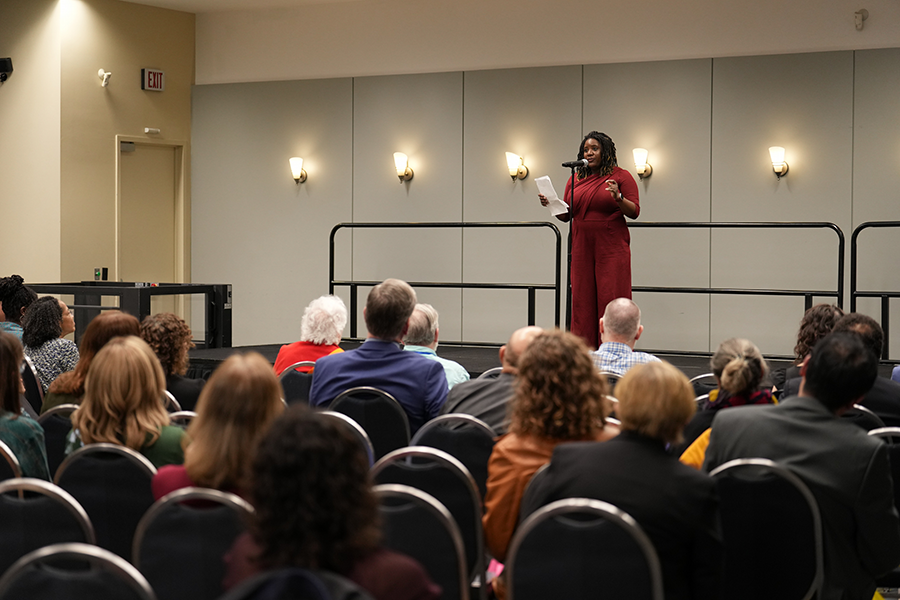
{"points": [[518, 342], [621, 322]]}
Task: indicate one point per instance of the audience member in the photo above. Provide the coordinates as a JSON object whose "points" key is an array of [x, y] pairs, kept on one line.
{"points": [[847, 471], [235, 408], [739, 369], [418, 384], [123, 404], [620, 329], [315, 509], [321, 329], [676, 506], [68, 388], [884, 397], [422, 338], [488, 399], [817, 322], [559, 398], [170, 338], [45, 323], [21, 433], [15, 298]]}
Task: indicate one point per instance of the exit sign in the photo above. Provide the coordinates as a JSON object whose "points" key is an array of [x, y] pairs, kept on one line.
{"points": [[154, 80]]}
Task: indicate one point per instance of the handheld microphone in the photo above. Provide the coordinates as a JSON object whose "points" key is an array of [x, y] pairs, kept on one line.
{"points": [[576, 163]]}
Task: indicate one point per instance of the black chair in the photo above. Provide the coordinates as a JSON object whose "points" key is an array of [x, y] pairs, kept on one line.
{"points": [[357, 430], [492, 373], [767, 511], [79, 572], [35, 513], [416, 524], [57, 423], [170, 402], [704, 384], [891, 436], [34, 391], [379, 414], [179, 543], [863, 417], [611, 378], [463, 437], [112, 483], [296, 384], [445, 478], [581, 548], [182, 418], [296, 584], [9, 463]]}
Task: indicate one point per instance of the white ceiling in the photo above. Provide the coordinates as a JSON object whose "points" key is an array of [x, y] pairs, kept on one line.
{"points": [[204, 6]]}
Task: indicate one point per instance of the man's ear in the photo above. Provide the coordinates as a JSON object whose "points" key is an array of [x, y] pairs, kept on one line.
{"points": [[803, 366], [502, 353], [405, 329], [437, 332], [639, 332], [601, 326]]}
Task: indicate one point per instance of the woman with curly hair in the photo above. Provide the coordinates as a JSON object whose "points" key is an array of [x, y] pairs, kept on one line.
{"points": [[320, 333], [68, 388], [21, 433], [15, 298], [315, 509], [817, 322], [170, 337], [123, 404], [235, 408], [559, 398], [45, 323]]}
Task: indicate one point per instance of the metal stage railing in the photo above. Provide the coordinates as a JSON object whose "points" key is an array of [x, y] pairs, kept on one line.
{"points": [[530, 288], [884, 295]]}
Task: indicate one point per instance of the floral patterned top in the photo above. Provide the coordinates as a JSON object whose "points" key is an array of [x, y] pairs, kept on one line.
{"points": [[53, 358]]}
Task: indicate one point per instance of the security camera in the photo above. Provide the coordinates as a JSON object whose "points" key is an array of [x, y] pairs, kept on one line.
{"points": [[6, 69]]}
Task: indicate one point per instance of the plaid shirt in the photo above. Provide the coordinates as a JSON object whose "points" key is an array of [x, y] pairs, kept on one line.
{"points": [[616, 357]]}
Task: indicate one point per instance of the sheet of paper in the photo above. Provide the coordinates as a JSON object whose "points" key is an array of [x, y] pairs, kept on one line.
{"points": [[545, 187]]}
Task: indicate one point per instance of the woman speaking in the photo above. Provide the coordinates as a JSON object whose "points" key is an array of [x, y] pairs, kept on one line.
{"points": [[601, 254]]}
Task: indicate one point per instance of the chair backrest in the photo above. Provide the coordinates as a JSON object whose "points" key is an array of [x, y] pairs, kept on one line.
{"points": [[891, 435], [357, 430], [576, 547], [767, 511], [182, 418], [863, 417], [34, 391], [179, 543], [57, 423], [379, 414], [463, 437], [445, 478], [611, 378], [296, 384], [293, 583], [36, 515], [417, 524], [112, 483], [9, 463], [170, 402], [492, 373], [109, 577]]}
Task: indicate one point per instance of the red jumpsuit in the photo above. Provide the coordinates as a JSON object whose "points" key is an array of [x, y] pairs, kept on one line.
{"points": [[601, 251]]}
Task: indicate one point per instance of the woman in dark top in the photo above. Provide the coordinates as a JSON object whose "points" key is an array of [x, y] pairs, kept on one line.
{"points": [[24, 436], [15, 298], [170, 338], [817, 322], [315, 509]]}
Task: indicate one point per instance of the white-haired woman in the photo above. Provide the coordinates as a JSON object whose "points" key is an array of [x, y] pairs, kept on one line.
{"points": [[320, 333]]}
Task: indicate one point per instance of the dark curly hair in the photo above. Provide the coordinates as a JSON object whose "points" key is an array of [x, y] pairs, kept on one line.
{"points": [[15, 296], [170, 338], [817, 322], [607, 158], [312, 491], [559, 393], [42, 322]]}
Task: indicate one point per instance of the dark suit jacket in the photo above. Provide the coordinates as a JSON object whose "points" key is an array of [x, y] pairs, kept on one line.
{"points": [[883, 399], [185, 390], [846, 470], [485, 399], [418, 383], [675, 505]]}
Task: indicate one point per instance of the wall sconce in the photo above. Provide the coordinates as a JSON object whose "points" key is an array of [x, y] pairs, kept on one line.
{"points": [[104, 77], [404, 171], [516, 164], [297, 170], [778, 165], [641, 165]]}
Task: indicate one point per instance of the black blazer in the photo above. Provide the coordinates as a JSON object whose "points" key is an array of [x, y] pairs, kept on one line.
{"points": [[883, 399], [675, 505]]}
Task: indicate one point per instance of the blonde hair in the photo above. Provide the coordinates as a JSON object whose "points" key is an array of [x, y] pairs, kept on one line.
{"points": [[739, 366], [235, 407], [655, 400], [123, 396]]}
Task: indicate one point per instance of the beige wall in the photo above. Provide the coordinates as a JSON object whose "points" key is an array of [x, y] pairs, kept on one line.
{"points": [[121, 38], [29, 140]]}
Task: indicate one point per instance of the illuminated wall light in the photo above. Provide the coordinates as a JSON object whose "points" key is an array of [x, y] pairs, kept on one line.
{"points": [[641, 165], [401, 163], [297, 170], [776, 153], [516, 165]]}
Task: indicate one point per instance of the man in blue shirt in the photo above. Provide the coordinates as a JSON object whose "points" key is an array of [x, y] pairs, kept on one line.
{"points": [[620, 329], [418, 384], [422, 338]]}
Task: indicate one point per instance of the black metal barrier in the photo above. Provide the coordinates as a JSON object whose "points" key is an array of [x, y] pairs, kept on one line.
{"points": [[134, 299], [884, 295], [531, 288], [808, 295]]}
